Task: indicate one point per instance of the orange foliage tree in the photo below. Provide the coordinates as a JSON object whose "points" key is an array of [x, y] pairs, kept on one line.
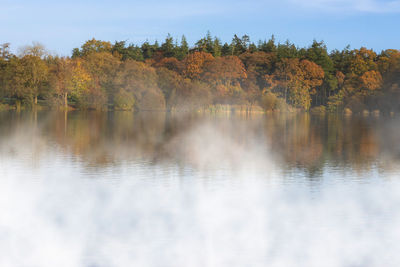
{"points": [[370, 81], [193, 64], [296, 80], [225, 74]]}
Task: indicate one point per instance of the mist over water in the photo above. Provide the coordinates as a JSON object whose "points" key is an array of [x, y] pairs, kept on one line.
{"points": [[156, 189]]}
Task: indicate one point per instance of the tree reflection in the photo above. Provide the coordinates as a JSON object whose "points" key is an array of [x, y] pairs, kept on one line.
{"points": [[298, 141]]}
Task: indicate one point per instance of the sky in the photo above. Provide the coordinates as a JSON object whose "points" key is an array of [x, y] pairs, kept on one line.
{"points": [[63, 25]]}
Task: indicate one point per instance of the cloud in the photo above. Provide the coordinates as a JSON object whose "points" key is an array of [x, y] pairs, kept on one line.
{"points": [[361, 6]]}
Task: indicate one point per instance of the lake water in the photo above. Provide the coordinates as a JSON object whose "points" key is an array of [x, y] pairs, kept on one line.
{"points": [[160, 189]]}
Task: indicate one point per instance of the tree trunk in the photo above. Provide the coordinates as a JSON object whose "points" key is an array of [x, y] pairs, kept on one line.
{"points": [[18, 105], [65, 99], [35, 100]]}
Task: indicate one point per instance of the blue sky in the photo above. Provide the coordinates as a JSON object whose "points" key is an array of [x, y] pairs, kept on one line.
{"points": [[63, 25]]}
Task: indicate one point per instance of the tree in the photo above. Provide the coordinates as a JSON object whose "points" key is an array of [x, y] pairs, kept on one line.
{"points": [[35, 71], [127, 52], [59, 76], [183, 49], [102, 68], [193, 64], [225, 70], [205, 44], [92, 46], [148, 50], [259, 64], [226, 50], [168, 48], [36, 50], [216, 47], [268, 47], [5, 56], [5, 53], [170, 63], [371, 81], [296, 80], [78, 83], [318, 54], [140, 81], [362, 60], [15, 81], [286, 50], [240, 45], [225, 75]]}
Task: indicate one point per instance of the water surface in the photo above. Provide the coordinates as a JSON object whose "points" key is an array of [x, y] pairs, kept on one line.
{"points": [[162, 189]]}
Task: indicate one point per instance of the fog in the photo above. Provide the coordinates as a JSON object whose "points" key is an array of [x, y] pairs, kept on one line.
{"points": [[195, 192]]}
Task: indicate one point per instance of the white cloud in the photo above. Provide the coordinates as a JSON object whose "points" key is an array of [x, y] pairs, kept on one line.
{"points": [[362, 6]]}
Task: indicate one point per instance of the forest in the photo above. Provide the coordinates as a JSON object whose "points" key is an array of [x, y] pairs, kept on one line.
{"points": [[264, 76]]}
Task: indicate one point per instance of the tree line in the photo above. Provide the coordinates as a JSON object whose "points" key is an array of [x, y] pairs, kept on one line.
{"points": [[173, 75]]}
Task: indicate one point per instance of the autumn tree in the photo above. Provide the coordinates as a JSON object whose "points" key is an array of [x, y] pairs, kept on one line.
{"points": [[5, 53], [194, 63], [102, 67], [139, 81], [59, 75], [362, 61], [15, 82], [296, 80], [92, 46], [170, 63], [259, 64], [5, 56], [227, 71], [78, 83], [370, 81], [389, 65], [35, 75], [100, 74], [225, 74], [36, 50]]}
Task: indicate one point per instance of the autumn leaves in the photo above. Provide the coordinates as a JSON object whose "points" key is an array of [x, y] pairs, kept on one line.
{"points": [[101, 75]]}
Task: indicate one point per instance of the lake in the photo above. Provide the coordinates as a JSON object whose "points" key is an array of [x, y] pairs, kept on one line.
{"points": [[165, 189]]}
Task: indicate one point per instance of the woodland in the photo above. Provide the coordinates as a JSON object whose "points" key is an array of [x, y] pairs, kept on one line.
{"points": [[264, 76]]}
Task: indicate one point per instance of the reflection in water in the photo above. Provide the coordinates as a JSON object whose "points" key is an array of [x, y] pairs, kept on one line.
{"points": [[155, 189], [301, 143]]}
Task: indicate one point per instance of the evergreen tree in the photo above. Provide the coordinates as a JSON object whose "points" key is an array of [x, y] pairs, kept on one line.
{"points": [[268, 47], [226, 50], [168, 47], [209, 43], [240, 45], [183, 48], [217, 49]]}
